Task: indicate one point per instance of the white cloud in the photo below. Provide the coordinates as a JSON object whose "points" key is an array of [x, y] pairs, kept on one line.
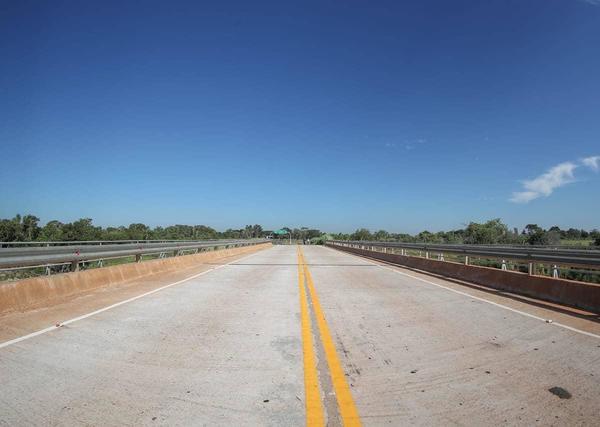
{"points": [[524, 196], [546, 183], [592, 162]]}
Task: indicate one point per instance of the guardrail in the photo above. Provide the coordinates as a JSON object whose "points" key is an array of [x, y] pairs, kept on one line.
{"points": [[530, 255], [99, 242], [15, 258]]}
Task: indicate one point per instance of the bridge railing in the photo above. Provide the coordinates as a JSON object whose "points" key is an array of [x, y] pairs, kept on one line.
{"points": [[69, 256], [97, 242], [536, 260]]}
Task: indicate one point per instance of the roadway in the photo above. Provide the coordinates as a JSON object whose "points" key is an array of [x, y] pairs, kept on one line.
{"points": [[282, 336]]}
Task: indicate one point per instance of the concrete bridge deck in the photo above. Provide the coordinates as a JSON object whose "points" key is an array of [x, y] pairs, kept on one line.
{"points": [[229, 346]]}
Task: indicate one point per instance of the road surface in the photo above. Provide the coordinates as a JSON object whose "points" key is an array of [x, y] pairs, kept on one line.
{"points": [[287, 335]]}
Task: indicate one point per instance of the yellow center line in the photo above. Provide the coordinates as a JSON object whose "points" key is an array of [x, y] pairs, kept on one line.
{"points": [[314, 408], [346, 405]]}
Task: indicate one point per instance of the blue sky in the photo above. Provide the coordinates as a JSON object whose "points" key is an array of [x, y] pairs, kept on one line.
{"points": [[337, 115]]}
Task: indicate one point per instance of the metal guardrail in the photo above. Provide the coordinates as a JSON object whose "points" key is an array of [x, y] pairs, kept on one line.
{"points": [[532, 255], [27, 257], [98, 242]]}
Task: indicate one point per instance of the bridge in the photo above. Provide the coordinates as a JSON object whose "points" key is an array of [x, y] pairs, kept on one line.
{"points": [[250, 333]]}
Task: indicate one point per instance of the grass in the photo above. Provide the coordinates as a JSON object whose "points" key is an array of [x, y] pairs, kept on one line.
{"points": [[577, 242]]}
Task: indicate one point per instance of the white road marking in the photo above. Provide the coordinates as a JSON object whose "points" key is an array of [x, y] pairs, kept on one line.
{"points": [[109, 307], [549, 321]]}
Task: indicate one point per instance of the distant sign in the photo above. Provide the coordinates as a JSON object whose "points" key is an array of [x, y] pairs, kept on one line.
{"points": [[282, 231]]}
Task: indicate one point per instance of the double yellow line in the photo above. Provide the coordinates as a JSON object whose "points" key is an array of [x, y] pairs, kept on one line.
{"points": [[314, 406]]}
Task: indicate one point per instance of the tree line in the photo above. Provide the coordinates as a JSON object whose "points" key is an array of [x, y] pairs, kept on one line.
{"points": [[491, 232], [27, 228]]}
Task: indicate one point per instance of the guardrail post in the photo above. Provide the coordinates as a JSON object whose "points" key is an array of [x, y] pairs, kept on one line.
{"points": [[48, 271], [100, 263], [427, 255], [503, 264], [466, 259], [532, 268], [441, 257], [555, 272], [138, 258], [74, 265]]}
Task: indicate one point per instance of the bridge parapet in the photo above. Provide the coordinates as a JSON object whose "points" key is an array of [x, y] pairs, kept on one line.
{"points": [[63, 257], [435, 259]]}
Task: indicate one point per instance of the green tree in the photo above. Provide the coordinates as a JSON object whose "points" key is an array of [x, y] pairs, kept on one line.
{"points": [[538, 237], [247, 232], [361, 234], [30, 227], [555, 228], [531, 229], [82, 229], [257, 231], [202, 232], [52, 232], [232, 234], [425, 237], [573, 234], [552, 237], [489, 233], [138, 231], [158, 233], [381, 235], [11, 230], [115, 233], [19, 229], [313, 233], [403, 237], [454, 237]]}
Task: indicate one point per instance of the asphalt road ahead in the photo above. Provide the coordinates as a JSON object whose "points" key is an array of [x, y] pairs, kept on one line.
{"points": [[287, 335]]}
